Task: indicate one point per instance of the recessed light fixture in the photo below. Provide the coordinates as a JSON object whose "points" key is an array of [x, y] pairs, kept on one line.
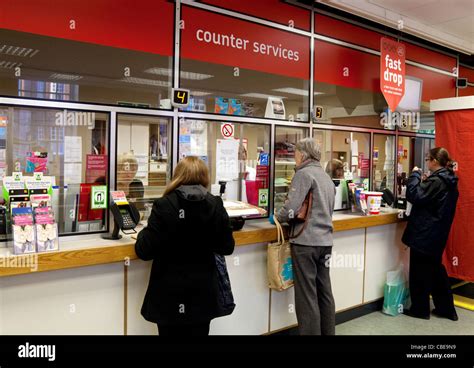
{"points": [[295, 91], [68, 77], [184, 75], [200, 93], [9, 64], [260, 95], [17, 51], [148, 82]]}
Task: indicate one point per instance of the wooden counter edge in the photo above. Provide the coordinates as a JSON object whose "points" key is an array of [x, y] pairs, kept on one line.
{"points": [[65, 259]]}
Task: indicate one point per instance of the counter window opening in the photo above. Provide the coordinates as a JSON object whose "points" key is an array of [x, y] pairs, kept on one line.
{"points": [[247, 70], [70, 151], [240, 163], [143, 159], [284, 148], [345, 156], [411, 152]]}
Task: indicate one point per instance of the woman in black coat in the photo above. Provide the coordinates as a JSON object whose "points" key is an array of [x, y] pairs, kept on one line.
{"points": [[186, 227], [434, 205]]}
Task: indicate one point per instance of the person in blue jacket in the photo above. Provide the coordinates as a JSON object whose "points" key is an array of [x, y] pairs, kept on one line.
{"points": [[434, 205]]}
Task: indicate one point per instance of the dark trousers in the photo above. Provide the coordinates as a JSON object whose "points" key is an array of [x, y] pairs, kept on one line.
{"points": [[428, 276], [196, 329], [314, 303]]}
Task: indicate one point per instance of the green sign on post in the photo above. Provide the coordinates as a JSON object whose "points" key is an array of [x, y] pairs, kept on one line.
{"points": [[98, 197], [263, 197]]}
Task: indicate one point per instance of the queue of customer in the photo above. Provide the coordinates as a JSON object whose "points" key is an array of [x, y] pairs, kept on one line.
{"points": [[181, 295]]}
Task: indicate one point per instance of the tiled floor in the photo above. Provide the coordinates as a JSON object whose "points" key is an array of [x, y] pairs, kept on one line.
{"points": [[378, 323]]}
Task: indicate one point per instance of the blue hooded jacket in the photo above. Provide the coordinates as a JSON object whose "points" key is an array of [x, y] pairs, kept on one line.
{"points": [[434, 205]]}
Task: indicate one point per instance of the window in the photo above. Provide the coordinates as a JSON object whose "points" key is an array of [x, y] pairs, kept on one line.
{"points": [[67, 70], [346, 157], [347, 87], [285, 141], [404, 163], [240, 161], [34, 143], [411, 152], [383, 158], [234, 67], [143, 158]]}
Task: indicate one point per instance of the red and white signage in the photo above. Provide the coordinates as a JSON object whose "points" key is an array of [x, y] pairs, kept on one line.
{"points": [[219, 39], [227, 130], [392, 71]]}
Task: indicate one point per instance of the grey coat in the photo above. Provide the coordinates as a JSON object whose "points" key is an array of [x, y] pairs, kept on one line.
{"points": [[311, 176]]}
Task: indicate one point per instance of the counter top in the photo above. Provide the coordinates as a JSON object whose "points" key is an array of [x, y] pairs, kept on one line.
{"points": [[87, 250]]}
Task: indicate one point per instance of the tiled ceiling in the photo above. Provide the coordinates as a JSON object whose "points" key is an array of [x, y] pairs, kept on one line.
{"points": [[446, 22]]}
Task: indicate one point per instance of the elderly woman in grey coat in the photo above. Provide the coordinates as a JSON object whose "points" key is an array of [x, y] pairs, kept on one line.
{"points": [[311, 249]]}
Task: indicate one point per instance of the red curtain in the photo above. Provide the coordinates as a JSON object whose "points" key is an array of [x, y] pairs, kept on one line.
{"points": [[454, 131]]}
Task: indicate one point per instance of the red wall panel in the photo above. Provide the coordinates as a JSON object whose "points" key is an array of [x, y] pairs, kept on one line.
{"points": [[344, 31], [364, 71], [274, 10], [466, 73], [468, 91], [146, 25]]}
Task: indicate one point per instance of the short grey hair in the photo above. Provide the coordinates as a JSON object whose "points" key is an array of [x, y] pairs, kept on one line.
{"points": [[309, 149]]}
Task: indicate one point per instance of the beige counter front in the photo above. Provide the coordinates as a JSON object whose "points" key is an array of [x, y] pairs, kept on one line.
{"points": [[105, 297]]}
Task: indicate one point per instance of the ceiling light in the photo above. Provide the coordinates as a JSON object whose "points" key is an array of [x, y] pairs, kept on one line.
{"points": [[295, 91], [149, 82], [17, 51], [69, 77], [259, 95], [9, 64], [184, 75], [200, 93]]}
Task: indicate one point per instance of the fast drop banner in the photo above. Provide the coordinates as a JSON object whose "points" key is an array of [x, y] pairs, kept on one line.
{"points": [[392, 71]]}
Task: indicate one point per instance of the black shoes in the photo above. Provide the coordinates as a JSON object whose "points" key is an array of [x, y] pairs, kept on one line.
{"points": [[452, 316], [409, 313]]}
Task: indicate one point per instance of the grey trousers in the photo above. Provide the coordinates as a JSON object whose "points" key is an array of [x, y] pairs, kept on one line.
{"points": [[314, 303]]}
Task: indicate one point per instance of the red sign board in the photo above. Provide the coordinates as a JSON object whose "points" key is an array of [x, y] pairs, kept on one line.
{"points": [[392, 71], [145, 25], [262, 175], [96, 168], [219, 39]]}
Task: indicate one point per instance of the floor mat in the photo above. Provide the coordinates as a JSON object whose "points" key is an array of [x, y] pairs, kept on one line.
{"points": [[464, 295]]}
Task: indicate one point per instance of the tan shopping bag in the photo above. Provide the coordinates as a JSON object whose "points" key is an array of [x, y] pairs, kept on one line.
{"points": [[279, 265]]}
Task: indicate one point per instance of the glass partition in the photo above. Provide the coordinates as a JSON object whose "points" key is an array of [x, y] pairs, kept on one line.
{"points": [[383, 162], [346, 158], [143, 158], [285, 141], [61, 153], [237, 155]]}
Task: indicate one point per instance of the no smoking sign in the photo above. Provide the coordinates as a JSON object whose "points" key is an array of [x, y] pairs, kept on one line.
{"points": [[227, 130]]}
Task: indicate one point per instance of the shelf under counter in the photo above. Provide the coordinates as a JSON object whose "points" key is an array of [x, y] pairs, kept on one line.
{"points": [[88, 250]]}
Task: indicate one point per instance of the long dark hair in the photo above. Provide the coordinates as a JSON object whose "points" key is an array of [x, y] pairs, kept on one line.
{"points": [[441, 155]]}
